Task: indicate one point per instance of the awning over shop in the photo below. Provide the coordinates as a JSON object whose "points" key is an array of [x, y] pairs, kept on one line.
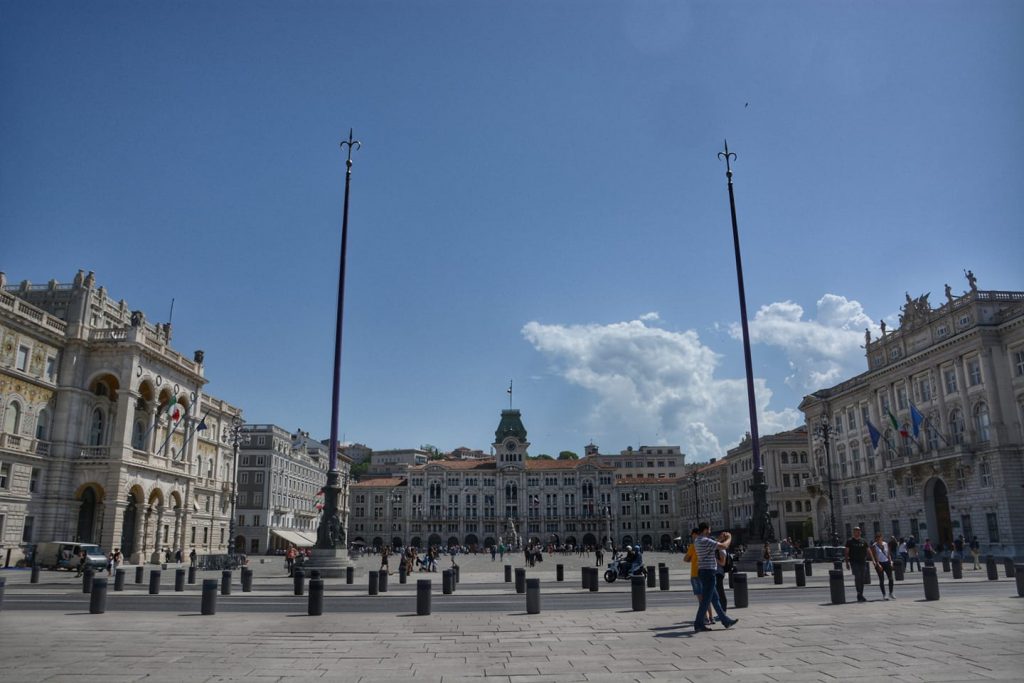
{"points": [[296, 538]]}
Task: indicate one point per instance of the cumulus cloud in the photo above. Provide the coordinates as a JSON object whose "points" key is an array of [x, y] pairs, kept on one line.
{"points": [[648, 380], [821, 350]]}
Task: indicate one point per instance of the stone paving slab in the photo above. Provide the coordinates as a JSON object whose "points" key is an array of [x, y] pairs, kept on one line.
{"points": [[961, 637]]}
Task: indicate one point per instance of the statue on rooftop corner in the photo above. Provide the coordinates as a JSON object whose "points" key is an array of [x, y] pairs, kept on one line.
{"points": [[971, 280]]}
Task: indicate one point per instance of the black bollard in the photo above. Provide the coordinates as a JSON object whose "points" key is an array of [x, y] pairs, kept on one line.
{"points": [[3, 582], [154, 582], [98, 599], [593, 579], [520, 580], [373, 583], [350, 575], [316, 597], [1018, 572], [423, 597], [533, 596], [246, 580], [993, 571], [119, 580], [585, 572], [836, 587], [638, 589], [931, 583], [209, 604], [897, 568], [958, 568], [740, 597], [35, 574], [760, 568], [138, 574], [1011, 571], [777, 574], [455, 573], [299, 582], [559, 572], [448, 582], [225, 582], [867, 574], [663, 577], [401, 572], [87, 577], [382, 581], [652, 578], [191, 575], [729, 575], [801, 577], [179, 580], [508, 573], [807, 567], [945, 565]]}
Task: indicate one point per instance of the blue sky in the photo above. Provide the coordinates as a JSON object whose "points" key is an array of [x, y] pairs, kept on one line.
{"points": [[537, 197]]}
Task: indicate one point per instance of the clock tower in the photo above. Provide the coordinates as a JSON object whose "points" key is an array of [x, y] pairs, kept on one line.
{"points": [[510, 442]]}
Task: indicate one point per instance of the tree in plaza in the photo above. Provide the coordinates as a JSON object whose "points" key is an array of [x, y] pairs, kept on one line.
{"points": [[568, 455]]}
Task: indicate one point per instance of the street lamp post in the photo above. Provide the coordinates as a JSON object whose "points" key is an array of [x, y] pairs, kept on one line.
{"points": [[696, 480], [236, 439], [608, 527], [760, 524], [330, 554], [636, 516], [824, 430]]}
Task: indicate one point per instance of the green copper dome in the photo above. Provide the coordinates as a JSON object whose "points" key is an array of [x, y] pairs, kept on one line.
{"points": [[511, 425]]}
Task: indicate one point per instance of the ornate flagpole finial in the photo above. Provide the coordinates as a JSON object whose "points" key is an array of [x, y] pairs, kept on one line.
{"points": [[727, 155], [352, 143]]}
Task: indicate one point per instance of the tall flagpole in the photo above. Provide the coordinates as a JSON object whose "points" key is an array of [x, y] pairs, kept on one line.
{"points": [[331, 544], [760, 524]]}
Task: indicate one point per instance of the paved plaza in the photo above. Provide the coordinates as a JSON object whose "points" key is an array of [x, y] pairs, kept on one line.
{"points": [[483, 633]]}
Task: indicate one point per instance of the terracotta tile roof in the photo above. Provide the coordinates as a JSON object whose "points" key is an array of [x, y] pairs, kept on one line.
{"points": [[532, 465], [378, 482]]}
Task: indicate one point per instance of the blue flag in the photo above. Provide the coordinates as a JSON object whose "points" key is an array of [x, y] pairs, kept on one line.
{"points": [[916, 418], [875, 434]]}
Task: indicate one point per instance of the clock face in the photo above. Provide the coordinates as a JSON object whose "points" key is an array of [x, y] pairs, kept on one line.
{"points": [[510, 445]]}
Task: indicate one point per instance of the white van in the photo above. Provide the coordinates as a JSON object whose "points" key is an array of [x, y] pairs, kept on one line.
{"points": [[65, 554]]}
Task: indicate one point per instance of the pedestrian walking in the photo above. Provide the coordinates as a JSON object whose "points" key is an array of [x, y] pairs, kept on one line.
{"points": [[192, 557], [915, 554], [766, 555], [975, 551], [385, 553], [707, 557], [856, 555], [882, 558]]}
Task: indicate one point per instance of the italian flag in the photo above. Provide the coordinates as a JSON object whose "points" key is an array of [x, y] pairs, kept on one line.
{"points": [[318, 500], [896, 426]]}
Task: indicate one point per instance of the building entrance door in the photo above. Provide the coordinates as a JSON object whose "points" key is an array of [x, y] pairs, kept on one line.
{"points": [[936, 505]]}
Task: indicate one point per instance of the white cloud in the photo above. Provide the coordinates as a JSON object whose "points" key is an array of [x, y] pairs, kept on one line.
{"points": [[650, 381], [820, 351]]}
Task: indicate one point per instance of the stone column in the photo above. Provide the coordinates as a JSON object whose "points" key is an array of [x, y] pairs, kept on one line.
{"points": [[142, 515], [178, 540], [1000, 403], [156, 555], [965, 407]]}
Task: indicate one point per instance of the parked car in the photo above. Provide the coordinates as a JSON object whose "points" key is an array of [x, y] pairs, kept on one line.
{"points": [[65, 554]]}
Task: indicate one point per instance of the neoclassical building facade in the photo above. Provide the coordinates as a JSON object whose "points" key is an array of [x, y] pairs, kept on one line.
{"points": [[945, 394], [514, 499], [107, 435]]}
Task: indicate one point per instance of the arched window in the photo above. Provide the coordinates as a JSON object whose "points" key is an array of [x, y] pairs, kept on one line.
{"points": [[841, 457], [981, 421], [209, 469], [956, 426], [96, 428], [139, 435], [199, 466], [43, 425], [12, 418]]}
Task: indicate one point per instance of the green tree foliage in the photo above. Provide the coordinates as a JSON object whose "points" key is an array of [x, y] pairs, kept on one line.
{"points": [[568, 455]]}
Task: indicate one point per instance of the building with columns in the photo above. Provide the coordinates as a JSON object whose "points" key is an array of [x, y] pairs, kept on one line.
{"points": [[945, 392], [107, 435], [514, 499]]}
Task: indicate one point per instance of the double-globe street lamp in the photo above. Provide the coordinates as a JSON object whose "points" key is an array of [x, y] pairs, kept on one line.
{"points": [[237, 438]]}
